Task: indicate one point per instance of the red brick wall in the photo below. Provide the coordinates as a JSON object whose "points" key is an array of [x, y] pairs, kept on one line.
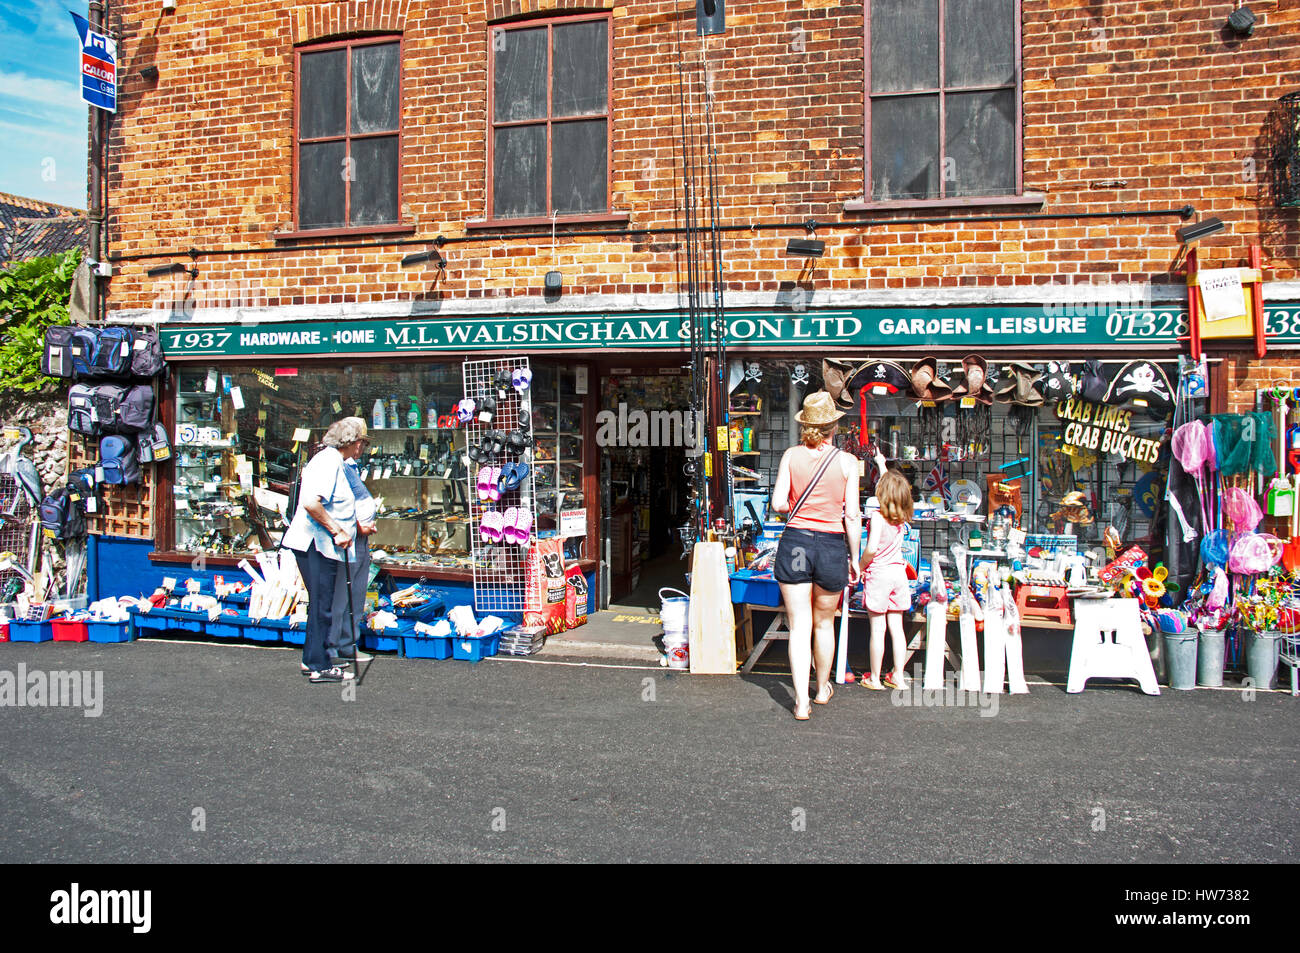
{"points": [[1151, 94]]}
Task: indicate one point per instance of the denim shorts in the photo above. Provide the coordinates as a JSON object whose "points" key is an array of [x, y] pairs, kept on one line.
{"points": [[805, 555]]}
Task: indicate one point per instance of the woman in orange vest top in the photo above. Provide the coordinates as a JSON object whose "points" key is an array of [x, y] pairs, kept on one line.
{"points": [[813, 562]]}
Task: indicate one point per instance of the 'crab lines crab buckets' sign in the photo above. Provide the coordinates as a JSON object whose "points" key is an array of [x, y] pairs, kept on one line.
{"points": [[98, 66], [1103, 429]]}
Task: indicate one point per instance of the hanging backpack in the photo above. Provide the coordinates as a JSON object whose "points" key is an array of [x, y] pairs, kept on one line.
{"points": [[61, 517], [107, 400], [56, 359], [154, 444], [135, 413], [146, 354], [113, 352], [117, 461], [83, 490], [82, 344], [81, 410]]}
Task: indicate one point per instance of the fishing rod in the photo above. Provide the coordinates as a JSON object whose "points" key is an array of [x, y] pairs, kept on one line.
{"points": [[700, 516], [719, 318]]}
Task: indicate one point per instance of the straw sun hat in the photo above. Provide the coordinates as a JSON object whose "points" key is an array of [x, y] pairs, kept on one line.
{"points": [[818, 409]]}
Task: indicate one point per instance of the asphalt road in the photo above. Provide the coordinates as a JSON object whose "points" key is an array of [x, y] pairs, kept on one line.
{"points": [[523, 761]]}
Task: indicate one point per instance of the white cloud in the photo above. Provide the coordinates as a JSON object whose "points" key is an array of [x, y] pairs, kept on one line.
{"points": [[50, 93], [41, 132]]}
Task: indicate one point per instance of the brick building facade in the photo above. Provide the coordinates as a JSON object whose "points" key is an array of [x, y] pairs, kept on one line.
{"points": [[1119, 117]]}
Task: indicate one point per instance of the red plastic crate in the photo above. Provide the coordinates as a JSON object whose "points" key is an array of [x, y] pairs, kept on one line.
{"points": [[4, 632], [66, 630]]}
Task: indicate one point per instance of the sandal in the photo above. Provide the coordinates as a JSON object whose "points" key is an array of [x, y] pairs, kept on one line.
{"points": [[896, 682], [872, 683], [828, 697], [806, 714]]}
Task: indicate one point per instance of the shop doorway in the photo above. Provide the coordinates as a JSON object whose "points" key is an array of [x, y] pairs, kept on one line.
{"points": [[642, 431]]}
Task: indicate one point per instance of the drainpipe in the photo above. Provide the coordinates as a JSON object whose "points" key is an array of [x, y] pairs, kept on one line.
{"points": [[95, 213]]}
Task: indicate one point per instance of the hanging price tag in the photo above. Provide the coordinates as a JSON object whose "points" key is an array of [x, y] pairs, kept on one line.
{"points": [[967, 403]]}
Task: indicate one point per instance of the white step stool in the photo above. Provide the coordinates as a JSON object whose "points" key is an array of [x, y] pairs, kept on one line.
{"points": [[1108, 643]]}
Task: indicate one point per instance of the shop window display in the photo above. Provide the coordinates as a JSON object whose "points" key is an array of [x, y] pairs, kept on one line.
{"points": [[239, 442], [985, 454]]}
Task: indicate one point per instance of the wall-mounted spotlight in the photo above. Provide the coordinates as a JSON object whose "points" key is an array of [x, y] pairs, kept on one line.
{"points": [[174, 268], [806, 247], [149, 74], [553, 284], [1206, 226], [1241, 21], [420, 257], [169, 6]]}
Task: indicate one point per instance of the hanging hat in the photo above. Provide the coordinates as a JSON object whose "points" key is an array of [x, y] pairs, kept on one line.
{"points": [[1017, 385], [881, 379], [836, 373], [818, 408], [972, 380], [925, 381], [1142, 383], [1057, 384]]}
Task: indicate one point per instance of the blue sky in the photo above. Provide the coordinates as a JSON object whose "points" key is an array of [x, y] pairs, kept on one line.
{"points": [[42, 118]]}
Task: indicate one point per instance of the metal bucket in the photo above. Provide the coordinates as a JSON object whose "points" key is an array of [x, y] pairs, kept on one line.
{"points": [[1209, 659], [1180, 650], [1261, 658]]}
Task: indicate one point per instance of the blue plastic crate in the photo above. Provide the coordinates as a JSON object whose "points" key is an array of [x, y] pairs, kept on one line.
{"points": [[381, 643], [755, 588], [31, 631], [226, 628], [109, 631], [474, 649], [172, 619], [416, 646]]}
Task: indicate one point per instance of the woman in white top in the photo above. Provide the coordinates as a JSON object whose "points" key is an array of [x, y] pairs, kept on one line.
{"points": [[320, 536]]}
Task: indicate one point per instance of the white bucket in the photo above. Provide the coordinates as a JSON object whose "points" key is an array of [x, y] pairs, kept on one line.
{"points": [[674, 613]]}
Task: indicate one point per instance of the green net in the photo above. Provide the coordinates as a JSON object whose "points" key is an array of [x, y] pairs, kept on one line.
{"points": [[1244, 443]]}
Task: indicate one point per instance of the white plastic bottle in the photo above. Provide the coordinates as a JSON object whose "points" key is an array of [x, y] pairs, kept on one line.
{"points": [[377, 414]]}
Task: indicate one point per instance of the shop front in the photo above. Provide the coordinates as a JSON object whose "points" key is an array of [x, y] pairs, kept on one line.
{"points": [[613, 443]]}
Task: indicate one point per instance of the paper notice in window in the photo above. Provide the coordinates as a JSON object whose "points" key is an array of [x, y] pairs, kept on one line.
{"points": [[237, 398], [244, 471], [1221, 294]]}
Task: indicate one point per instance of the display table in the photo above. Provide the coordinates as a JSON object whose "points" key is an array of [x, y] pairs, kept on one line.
{"points": [[778, 629]]}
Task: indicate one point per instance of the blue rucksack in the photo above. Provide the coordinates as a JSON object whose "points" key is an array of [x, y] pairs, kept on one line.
{"points": [[117, 461]]}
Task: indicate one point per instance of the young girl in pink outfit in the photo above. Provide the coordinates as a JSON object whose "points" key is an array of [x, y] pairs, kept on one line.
{"points": [[884, 576]]}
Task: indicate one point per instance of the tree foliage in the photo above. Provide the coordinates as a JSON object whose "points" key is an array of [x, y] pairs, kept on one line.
{"points": [[33, 296]]}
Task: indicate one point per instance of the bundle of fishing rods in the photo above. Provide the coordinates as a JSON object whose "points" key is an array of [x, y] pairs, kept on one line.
{"points": [[701, 286]]}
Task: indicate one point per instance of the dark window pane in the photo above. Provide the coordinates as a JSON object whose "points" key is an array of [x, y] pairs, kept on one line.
{"points": [[578, 154], [519, 172], [978, 47], [519, 88], [904, 45], [323, 94], [904, 147], [321, 172], [981, 143], [581, 55], [374, 191], [374, 88]]}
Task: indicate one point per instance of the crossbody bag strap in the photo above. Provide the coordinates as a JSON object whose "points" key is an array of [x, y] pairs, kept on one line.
{"points": [[812, 483]]}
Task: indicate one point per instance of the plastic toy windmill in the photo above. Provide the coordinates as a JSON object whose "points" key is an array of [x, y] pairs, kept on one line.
{"points": [[1191, 446]]}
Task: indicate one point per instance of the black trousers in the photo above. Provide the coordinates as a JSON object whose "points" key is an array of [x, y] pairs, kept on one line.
{"points": [[320, 574]]}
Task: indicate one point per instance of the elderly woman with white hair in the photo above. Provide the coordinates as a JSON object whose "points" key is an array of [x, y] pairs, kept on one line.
{"points": [[321, 535]]}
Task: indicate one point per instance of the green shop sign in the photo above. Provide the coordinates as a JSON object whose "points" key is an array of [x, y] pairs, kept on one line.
{"points": [[1064, 326]]}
